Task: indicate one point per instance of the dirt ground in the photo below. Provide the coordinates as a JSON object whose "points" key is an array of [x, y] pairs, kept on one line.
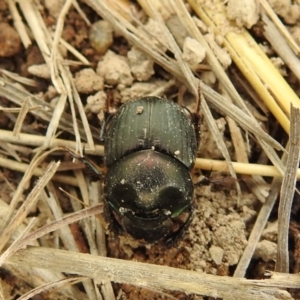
{"points": [[223, 219]]}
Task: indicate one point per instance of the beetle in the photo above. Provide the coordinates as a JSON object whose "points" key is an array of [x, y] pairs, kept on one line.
{"points": [[150, 148]]}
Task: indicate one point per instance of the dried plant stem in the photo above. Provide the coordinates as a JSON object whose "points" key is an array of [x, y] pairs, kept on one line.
{"points": [[258, 228], [17, 96], [72, 50], [71, 218], [38, 141], [241, 168], [22, 167], [252, 62], [27, 204], [281, 47], [287, 193], [20, 27], [152, 276], [50, 286], [277, 22], [21, 117]]}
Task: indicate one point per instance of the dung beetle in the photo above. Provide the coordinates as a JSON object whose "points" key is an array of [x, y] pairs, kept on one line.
{"points": [[150, 148]]}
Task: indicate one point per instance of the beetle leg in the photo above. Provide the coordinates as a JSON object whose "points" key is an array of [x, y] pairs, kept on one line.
{"points": [[208, 181], [113, 224], [198, 99], [203, 181], [196, 116], [104, 124], [172, 240], [93, 170], [196, 119]]}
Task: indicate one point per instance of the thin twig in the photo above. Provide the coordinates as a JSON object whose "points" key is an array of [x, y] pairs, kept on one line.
{"points": [[19, 25], [50, 286], [257, 229], [153, 276], [54, 225], [281, 47], [27, 204], [287, 193], [278, 23], [21, 117]]}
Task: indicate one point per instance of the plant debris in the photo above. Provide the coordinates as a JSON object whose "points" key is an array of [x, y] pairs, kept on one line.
{"points": [[66, 65]]}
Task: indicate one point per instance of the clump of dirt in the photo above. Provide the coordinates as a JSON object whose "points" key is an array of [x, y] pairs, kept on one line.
{"points": [[10, 43]]}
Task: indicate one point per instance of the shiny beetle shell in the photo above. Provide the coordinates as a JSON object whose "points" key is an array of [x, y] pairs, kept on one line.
{"points": [[150, 148], [151, 123], [147, 189]]}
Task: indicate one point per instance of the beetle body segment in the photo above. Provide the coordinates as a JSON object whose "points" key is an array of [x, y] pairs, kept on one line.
{"points": [[147, 189], [151, 123], [150, 148]]}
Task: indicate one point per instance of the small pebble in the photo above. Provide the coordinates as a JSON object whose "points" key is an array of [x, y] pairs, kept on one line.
{"points": [[141, 64], [41, 71], [193, 52], [87, 81], [10, 43], [54, 7], [101, 36], [216, 254], [266, 250], [115, 70], [96, 103], [139, 89], [243, 12]]}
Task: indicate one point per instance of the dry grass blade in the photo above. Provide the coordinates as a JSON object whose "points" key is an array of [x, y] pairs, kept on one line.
{"points": [[241, 168], [65, 234], [60, 74], [214, 63], [281, 47], [232, 111], [258, 228], [13, 248], [29, 171], [252, 62], [17, 110], [51, 286], [153, 276], [277, 22], [55, 225], [21, 117], [76, 54], [23, 168], [38, 141], [17, 96], [16, 77], [18, 23], [10, 149], [27, 204], [54, 68], [287, 193]]}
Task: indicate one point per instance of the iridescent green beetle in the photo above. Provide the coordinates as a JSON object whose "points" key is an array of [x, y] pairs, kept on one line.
{"points": [[150, 149]]}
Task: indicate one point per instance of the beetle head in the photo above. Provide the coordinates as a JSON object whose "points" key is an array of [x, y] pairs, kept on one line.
{"points": [[149, 193]]}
